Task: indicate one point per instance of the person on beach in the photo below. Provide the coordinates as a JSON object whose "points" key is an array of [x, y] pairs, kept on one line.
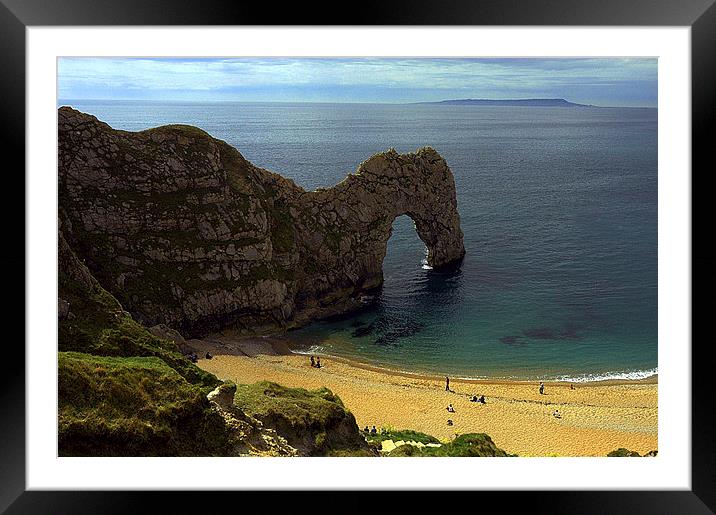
{"points": [[447, 384], [450, 408], [571, 386], [313, 364], [474, 399], [482, 399], [373, 430], [318, 362], [556, 414], [541, 388], [449, 421], [208, 355]]}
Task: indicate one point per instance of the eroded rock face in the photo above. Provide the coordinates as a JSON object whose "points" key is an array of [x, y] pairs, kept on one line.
{"points": [[223, 395], [185, 232]]}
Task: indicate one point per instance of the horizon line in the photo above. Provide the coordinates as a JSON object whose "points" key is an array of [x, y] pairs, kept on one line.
{"points": [[207, 101]]}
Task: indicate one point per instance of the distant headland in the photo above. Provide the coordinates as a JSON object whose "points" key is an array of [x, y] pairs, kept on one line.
{"points": [[526, 102]]}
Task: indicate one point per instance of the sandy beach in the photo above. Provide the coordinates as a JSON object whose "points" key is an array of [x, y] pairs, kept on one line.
{"points": [[596, 418]]}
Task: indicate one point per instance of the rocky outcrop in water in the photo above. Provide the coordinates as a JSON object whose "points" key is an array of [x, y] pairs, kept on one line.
{"points": [[185, 232]]}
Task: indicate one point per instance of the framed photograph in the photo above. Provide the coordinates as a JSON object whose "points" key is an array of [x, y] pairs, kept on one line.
{"points": [[264, 254]]}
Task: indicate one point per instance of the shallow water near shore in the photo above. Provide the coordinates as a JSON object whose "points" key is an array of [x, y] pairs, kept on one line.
{"points": [[559, 211]]}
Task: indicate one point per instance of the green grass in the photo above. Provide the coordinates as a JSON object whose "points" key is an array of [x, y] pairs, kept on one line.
{"points": [[184, 130], [133, 406], [352, 453], [467, 445], [298, 406], [121, 390], [314, 421], [472, 444], [125, 392], [403, 434], [101, 327]]}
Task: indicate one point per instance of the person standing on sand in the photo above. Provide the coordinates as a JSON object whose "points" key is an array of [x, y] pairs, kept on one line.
{"points": [[447, 384], [313, 362], [318, 362], [541, 388]]}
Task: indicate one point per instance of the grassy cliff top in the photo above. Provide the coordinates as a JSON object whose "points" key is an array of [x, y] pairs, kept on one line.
{"points": [[131, 406], [468, 445]]}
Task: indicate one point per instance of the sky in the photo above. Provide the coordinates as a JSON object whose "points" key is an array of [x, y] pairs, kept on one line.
{"points": [[597, 81]]}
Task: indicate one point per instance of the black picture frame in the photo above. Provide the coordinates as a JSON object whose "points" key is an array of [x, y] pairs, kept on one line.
{"points": [[17, 15]]}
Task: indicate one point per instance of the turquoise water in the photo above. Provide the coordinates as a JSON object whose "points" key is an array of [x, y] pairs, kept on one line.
{"points": [[559, 212]]}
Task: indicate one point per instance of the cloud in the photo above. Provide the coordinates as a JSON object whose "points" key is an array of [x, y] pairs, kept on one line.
{"points": [[230, 78]]}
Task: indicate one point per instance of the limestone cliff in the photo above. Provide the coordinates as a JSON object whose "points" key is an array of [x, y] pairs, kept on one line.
{"points": [[123, 391], [184, 231]]}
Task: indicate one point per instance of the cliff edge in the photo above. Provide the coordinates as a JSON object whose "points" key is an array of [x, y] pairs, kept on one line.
{"points": [[184, 231]]}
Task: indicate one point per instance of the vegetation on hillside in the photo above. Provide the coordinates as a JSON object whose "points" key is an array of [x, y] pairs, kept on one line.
{"points": [[125, 392], [467, 445], [133, 406], [316, 422], [405, 435], [121, 390], [621, 452]]}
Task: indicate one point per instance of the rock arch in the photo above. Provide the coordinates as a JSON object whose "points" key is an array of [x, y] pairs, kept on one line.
{"points": [[184, 231], [419, 185], [361, 210]]}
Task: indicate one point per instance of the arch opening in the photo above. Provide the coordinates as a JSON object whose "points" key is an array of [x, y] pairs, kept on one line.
{"points": [[405, 252]]}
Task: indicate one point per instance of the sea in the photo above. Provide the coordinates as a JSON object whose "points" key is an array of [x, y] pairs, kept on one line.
{"points": [[558, 207]]}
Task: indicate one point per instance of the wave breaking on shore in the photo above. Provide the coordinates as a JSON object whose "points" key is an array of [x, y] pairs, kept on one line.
{"points": [[620, 375], [626, 375]]}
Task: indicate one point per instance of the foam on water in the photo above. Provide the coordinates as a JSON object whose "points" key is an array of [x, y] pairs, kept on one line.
{"points": [[629, 375]]}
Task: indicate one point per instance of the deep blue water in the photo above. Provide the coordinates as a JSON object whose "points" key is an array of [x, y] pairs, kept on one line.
{"points": [[558, 208]]}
